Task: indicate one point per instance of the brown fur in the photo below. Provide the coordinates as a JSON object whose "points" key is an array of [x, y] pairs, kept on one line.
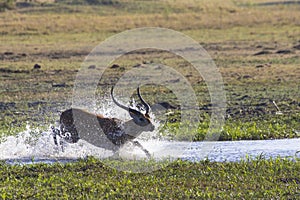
{"points": [[116, 131]]}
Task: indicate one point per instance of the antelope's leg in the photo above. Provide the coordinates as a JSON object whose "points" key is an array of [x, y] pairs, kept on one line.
{"points": [[55, 132], [136, 143]]}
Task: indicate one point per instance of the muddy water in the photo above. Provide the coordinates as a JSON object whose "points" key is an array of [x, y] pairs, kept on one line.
{"points": [[25, 149]]}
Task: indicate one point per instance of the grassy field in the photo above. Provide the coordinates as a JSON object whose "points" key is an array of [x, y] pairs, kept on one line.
{"points": [[90, 179], [254, 43]]}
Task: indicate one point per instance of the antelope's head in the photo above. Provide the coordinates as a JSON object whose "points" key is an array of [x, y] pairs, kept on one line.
{"points": [[141, 116]]}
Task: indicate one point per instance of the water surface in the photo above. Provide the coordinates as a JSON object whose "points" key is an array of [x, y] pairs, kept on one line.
{"points": [[25, 149]]}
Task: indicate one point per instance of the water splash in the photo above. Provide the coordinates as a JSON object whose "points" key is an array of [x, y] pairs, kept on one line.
{"points": [[34, 145]]}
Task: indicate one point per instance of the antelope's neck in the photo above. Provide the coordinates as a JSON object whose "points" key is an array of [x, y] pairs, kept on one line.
{"points": [[132, 129]]}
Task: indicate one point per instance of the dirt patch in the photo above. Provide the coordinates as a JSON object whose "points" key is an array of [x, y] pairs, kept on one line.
{"points": [[11, 56], [284, 51], [289, 180], [7, 105], [264, 52], [297, 47], [276, 3], [5, 70]]}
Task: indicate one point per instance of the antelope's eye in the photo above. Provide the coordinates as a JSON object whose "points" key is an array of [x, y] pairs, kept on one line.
{"points": [[142, 119]]}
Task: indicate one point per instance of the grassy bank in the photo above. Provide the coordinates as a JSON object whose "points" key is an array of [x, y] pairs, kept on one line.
{"points": [[90, 179]]}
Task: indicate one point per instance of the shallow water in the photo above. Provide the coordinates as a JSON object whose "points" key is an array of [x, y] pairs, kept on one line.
{"points": [[26, 149]]}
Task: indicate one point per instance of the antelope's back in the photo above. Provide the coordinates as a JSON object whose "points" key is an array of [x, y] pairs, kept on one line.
{"points": [[90, 127], [78, 117]]}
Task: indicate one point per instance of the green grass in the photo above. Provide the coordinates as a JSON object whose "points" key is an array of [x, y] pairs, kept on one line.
{"points": [[91, 179], [256, 128]]}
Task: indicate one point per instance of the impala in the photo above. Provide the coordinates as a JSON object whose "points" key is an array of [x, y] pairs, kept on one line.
{"points": [[108, 133]]}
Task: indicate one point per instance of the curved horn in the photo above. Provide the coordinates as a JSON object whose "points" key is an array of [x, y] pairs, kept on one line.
{"points": [[115, 101], [143, 101]]}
